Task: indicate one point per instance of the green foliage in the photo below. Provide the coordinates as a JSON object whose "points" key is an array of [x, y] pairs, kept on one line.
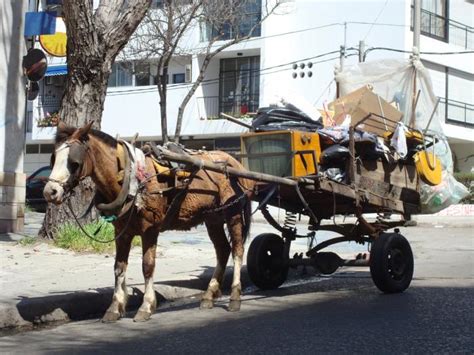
{"points": [[28, 208], [464, 178], [27, 241], [467, 179], [71, 237]]}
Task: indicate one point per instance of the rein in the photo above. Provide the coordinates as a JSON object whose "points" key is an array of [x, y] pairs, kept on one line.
{"points": [[116, 237]]}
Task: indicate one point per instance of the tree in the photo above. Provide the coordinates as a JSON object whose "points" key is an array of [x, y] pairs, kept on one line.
{"points": [[94, 40], [224, 23]]}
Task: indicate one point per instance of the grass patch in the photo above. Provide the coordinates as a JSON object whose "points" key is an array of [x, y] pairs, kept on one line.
{"points": [[28, 208], [71, 237], [27, 241]]}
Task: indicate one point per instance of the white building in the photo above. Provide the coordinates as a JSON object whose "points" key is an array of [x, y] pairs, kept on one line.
{"points": [[304, 34]]}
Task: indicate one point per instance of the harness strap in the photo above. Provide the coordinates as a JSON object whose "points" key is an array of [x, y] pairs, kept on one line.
{"points": [[114, 206], [174, 206]]}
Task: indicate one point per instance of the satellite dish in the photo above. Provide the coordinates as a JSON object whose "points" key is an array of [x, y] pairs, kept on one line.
{"points": [[35, 64], [33, 90]]}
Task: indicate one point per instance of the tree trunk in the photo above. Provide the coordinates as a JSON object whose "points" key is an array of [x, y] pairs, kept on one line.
{"points": [[162, 90], [94, 40]]}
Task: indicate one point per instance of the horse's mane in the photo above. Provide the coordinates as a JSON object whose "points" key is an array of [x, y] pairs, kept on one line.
{"points": [[66, 132]]}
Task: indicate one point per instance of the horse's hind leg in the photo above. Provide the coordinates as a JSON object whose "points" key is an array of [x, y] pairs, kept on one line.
{"points": [[148, 306], [119, 301], [221, 245], [235, 226]]}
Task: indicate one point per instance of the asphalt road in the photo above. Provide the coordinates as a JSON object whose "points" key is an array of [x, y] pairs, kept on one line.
{"points": [[343, 313]]}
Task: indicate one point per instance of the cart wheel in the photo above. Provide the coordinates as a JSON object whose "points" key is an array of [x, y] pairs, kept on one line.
{"points": [[266, 263], [391, 263]]}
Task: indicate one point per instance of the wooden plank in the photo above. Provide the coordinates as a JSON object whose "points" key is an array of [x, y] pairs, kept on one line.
{"points": [[224, 169]]}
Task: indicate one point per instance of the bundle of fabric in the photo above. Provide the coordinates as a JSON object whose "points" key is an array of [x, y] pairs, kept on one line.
{"points": [[283, 118]]}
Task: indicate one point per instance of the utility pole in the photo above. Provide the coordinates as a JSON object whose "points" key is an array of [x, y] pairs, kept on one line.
{"points": [[416, 51], [342, 55], [417, 24], [361, 51]]}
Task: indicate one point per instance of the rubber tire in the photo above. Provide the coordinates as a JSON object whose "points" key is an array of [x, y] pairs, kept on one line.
{"points": [[266, 262], [385, 277]]}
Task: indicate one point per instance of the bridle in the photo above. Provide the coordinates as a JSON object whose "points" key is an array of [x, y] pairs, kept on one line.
{"points": [[75, 160]]}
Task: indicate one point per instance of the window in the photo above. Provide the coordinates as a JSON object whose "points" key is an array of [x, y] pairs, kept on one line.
{"points": [[456, 91], [460, 97], [42, 173], [249, 17], [434, 18], [239, 85], [142, 74], [32, 148], [178, 78], [46, 148], [121, 74]]}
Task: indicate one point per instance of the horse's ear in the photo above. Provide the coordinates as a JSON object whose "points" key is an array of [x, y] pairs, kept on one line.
{"points": [[83, 131]]}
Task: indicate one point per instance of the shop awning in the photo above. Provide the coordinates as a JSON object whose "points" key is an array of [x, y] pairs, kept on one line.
{"points": [[54, 70]]}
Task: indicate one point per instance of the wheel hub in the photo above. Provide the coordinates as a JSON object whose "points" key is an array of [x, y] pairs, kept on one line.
{"points": [[396, 264]]}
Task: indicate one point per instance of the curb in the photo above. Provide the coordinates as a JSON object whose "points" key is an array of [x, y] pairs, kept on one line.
{"points": [[31, 312]]}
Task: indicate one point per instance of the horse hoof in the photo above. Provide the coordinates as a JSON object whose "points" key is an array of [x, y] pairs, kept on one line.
{"points": [[110, 317], [206, 304], [234, 306], [142, 316]]}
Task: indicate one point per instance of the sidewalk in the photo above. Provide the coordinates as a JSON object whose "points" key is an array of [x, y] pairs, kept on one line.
{"points": [[37, 280], [42, 283]]}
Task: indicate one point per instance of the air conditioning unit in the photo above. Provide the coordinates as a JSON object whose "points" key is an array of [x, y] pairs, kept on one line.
{"points": [[188, 73]]}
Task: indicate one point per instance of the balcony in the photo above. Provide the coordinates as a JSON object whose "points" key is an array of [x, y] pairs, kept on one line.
{"points": [[457, 112], [210, 107], [445, 29]]}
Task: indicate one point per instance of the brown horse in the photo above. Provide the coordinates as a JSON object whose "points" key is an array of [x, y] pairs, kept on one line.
{"points": [[211, 198]]}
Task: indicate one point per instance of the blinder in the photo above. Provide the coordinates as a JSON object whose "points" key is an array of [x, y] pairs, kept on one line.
{"points": [[77, 152], [52, 160], [75, 160]]}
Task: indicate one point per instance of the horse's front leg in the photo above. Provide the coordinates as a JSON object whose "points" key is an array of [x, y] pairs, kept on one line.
{"points": [[148, 306], [119, 301]]}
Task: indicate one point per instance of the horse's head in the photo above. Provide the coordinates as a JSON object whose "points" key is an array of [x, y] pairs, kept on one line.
{"points": [[69, 162]]}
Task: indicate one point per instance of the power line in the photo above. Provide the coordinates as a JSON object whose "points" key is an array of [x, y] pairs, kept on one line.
{"points": [[250, 72], [376, 19], [407, 51], [263, 70]]}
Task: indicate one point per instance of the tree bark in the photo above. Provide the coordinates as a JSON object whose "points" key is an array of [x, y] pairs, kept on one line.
{"points": [[94, 40]]}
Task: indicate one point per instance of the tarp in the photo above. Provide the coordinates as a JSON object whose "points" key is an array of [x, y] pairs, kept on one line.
{"points": [[54, 70], [397, 81], [394, 81]]}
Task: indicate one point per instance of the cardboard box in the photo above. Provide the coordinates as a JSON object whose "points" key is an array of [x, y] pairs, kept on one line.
{"points": [[361, 103]]}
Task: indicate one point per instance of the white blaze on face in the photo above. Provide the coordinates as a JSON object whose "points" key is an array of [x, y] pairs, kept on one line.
{"points": [[53, 191], [60, 171]]}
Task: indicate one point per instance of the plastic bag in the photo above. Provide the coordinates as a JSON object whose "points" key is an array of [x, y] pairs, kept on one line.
{"points": [[399, 140], [436, 198]]}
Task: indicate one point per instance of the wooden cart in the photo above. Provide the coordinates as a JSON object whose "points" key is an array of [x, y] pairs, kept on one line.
{"points": [[287, 162]]}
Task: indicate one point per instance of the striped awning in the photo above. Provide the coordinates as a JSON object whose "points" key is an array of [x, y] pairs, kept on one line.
{"points": [[54, 70]]}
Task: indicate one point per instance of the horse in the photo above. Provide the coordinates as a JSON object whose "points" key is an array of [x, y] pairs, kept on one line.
{"points": [[206, 197]]}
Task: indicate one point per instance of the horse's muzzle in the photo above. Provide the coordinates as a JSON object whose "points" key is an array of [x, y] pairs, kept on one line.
{"points": [[53, 192]]}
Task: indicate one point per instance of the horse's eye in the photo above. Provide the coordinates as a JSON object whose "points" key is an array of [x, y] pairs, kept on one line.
{"points": [[73, 167]]}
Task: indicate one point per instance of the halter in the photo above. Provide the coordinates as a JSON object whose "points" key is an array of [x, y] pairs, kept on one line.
{"points": [[77, 152]]}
